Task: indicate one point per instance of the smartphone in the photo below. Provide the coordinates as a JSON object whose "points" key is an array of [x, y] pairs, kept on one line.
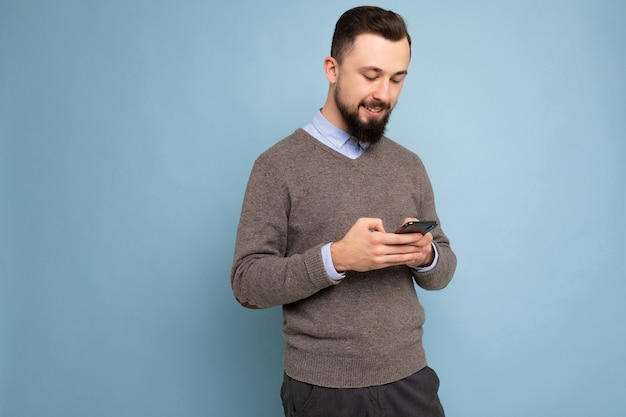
{"points": [[417, 227]]}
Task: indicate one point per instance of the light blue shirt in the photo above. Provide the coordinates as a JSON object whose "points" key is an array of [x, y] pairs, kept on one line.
{"points": [[330, 135]]}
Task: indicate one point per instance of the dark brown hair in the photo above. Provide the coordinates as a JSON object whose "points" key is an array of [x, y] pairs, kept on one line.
{"points": [[366, 19]]}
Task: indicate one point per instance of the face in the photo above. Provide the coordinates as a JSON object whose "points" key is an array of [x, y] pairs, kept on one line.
{"points": [[366, 85]]}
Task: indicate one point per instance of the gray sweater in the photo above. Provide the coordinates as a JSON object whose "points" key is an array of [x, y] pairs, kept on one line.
{"points": [[366, 329]]}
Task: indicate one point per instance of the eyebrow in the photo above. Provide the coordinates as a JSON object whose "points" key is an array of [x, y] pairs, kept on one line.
{"points": [[380, 71]]}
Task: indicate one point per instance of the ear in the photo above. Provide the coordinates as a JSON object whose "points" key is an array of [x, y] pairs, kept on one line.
{"points": [[331, 68]]}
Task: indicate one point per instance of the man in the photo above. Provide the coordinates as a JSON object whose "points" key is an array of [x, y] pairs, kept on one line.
{"points": [[316, 236]]}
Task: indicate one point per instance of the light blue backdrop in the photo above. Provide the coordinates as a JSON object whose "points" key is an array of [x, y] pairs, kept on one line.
{"points": [[127, 133]]}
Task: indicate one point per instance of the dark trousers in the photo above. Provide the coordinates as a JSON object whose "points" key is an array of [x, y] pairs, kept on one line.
{"points": [[414, 396]]}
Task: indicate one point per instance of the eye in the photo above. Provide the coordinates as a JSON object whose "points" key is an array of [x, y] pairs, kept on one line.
{"points": [[368, 78]]}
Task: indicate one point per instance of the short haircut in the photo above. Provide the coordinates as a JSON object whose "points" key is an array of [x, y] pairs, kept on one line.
{"points": [[366, 19]]}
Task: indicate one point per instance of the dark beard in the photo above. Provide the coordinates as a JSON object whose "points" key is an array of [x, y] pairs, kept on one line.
{"points": [[368, 132]]}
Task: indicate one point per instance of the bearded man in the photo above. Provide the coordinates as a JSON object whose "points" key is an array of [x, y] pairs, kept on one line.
{"points": [[316, 236]]}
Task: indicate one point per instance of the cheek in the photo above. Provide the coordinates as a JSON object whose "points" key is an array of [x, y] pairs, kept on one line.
{"points": [[393, 97], [349, 99], [355, 90]]}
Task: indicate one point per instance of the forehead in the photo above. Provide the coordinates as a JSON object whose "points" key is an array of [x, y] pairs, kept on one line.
{"points": [[374, 50]]}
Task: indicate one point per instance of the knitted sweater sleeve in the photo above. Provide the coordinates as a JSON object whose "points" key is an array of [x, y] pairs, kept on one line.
{"points": [[263, 273], [440, 276]]}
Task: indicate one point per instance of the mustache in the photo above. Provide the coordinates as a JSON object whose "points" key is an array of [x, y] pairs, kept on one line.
{"points": [[376, 103]]}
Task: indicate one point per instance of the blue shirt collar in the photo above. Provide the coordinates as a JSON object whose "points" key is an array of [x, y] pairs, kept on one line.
{"points": [[331, 134]]}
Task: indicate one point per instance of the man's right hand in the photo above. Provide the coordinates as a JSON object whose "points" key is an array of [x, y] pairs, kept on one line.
{"points": [[367, 247]]}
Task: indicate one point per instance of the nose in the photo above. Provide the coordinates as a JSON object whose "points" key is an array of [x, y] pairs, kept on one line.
{"points": [[381, 92]]}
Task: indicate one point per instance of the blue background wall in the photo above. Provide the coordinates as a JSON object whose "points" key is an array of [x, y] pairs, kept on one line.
{"points": [[127, 133]]}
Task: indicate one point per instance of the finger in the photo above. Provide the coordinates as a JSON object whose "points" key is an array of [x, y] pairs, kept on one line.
{"points": [[372, 224], [402, 238]]}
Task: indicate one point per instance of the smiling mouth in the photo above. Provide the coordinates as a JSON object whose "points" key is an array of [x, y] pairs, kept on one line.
{"points": [[375, 112], [374, 109]]}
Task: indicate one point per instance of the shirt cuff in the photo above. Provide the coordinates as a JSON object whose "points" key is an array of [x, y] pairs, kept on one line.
{"points": [[328, 264], [432, 265]]}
